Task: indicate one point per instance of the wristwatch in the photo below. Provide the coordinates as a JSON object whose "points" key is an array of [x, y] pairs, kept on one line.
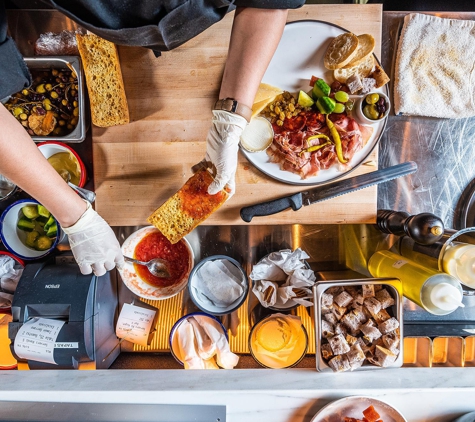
{"points": [[231, 105]]}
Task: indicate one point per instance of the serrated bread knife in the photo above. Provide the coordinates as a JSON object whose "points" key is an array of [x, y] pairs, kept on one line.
{"points": [[322, 193]]}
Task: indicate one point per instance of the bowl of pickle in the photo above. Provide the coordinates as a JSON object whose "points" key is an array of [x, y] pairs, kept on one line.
{"points": [[52, 107], [373, 107], [29, 230]]}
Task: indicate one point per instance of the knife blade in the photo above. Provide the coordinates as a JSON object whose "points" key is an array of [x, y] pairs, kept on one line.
{"points": [[331, 190]]}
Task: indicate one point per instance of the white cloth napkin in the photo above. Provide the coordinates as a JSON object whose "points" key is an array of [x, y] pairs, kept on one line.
{"points": [[9, 277], [435, 67]]}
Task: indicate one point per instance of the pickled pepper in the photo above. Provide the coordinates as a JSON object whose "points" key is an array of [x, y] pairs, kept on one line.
{"points": [[336, 140]]}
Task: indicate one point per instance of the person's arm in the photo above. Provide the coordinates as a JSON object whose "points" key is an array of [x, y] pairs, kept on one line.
{"points": [[254, 39], [25, 166]]}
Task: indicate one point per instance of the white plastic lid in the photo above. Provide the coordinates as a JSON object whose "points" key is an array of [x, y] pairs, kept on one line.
{"points": [[459, 261], [446, 297]]}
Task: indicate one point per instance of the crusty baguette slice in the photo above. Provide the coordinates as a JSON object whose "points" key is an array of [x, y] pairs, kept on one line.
{"points": [[341, 51], [363, 70], [365, 48], [104, 81], [380, 76], [187, 208], [265, 95]]}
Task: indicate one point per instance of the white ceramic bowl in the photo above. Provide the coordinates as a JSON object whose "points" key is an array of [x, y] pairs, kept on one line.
{"points": [[207, 307], [360, 103], [353, 407], [173, 341], [50, 148], [139, 286], [11, 236]]}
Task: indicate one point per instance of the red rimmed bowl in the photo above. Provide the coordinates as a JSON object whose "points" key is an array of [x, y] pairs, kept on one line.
{"points": [[140, 281], [48, 149]]}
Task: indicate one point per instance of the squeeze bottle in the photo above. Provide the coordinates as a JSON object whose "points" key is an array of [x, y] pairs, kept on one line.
{"points": [[459, 260]]}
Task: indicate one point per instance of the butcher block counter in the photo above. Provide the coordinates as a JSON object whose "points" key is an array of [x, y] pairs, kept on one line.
{"points": [[140, 165]]}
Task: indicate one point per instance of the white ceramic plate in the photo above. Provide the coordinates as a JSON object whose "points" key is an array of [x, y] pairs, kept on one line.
{"points": [[353, 407], [299, 56]]}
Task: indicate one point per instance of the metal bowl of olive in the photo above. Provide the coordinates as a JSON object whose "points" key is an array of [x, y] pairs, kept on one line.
{"points": [[373, 107], [52, 108]]}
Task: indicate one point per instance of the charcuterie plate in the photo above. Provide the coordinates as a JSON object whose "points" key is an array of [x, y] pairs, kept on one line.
{"points": [[298, 57]]}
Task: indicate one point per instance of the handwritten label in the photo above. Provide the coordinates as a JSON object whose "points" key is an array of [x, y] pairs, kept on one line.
{"points": [[36, 339], [134, 324]]}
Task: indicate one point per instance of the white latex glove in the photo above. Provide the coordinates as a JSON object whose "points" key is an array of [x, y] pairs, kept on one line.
{"points": [[222, 146], [94, 244]]}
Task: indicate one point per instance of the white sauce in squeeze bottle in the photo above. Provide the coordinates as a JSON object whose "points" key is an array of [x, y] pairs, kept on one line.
{"points": [[459, 261]]}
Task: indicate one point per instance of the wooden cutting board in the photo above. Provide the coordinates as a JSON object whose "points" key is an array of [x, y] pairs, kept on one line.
{"points": [[140, 165]]}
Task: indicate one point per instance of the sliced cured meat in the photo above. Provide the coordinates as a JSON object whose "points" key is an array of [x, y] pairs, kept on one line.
{"points": [[296, 123]]}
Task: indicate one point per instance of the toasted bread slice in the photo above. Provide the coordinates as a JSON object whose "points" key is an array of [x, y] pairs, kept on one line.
{"points": [[363, 70], [365, 48], [380, 76], [264, 96], [187, 208], [104, 81], [341, 51]]}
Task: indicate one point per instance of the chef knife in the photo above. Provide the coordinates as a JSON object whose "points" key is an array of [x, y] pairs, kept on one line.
{"points": [[331, 190]]}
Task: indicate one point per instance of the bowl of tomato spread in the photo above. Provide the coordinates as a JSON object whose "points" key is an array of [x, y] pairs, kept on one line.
{"points": [[149, 243]]}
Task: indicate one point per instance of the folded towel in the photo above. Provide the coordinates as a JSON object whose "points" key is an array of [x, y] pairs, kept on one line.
{"points": [[435, 67]]}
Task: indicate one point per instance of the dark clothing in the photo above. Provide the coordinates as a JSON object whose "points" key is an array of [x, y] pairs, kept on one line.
{"points": [[160, 25]]}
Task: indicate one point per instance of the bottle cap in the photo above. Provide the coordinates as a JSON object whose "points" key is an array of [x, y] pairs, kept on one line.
{"points": [[446, 297]]}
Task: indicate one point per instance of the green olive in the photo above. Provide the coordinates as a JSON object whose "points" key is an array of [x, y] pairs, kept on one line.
{"points": [[372, 98], [371, 112], [40, 89]]}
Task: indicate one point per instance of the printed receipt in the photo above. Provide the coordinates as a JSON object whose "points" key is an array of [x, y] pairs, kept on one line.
{"points": [[134, 324], [36, 339]]}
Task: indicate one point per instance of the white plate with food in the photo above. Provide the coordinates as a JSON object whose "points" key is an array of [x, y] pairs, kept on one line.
{"points": [[299, 56], [354, 406]]}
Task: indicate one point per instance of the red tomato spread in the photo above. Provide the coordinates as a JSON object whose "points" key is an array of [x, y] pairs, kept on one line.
{"points": [[156, 245], [195, 199]]}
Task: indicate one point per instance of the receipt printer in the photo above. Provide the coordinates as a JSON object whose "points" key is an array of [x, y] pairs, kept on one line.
{"points": [[81, 308]]}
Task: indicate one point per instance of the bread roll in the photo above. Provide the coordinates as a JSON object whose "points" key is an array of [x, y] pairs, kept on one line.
{"points": [[365, 48], [341, 51], [187, 208], [104, 81], [362, 70]]}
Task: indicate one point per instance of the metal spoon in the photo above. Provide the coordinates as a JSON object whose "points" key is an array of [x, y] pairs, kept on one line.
{"points": [[158, 267], [85, 193]]}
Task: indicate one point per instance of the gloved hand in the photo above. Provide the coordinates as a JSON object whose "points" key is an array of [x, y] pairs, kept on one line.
{"points": [[94, 244], [222, 146]]}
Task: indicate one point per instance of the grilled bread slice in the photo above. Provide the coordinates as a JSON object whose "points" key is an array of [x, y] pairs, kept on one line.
{"points": [[104, 81], [187, 208], [362, 70], [365, 48], [341, 51]]}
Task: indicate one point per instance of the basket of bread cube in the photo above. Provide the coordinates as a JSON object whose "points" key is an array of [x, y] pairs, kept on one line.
{"points": [[358, 324]]}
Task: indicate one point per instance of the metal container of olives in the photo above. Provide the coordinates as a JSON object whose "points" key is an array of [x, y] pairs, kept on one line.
{"points": [[64, 96]]}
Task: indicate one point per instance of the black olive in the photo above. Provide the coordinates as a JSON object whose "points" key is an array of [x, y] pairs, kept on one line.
{"points": [[41, 111]]}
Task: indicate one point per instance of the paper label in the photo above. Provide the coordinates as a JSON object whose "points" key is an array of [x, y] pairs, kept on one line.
{"points": [[36, 339], [134, 324], [399, 263]]}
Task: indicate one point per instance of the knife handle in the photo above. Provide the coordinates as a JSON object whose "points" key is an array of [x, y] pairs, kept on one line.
{"points": [[272, 207]]}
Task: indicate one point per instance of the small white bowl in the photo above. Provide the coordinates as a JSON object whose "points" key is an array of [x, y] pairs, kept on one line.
{"points": [[11, 236], [207, 307], [138, 286], [360, 103]]}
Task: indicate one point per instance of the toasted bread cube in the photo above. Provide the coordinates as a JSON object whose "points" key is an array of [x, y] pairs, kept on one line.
{"points": [[343, 299], [373, 305], [339, 363], [384, 357], [360, 315], [368, 290], [385, 298], [355, 354], [326, 351], [352, 290], [370, 333], [392, 341], [362, 344], [327, 310], [335, 290], [341, 329], [331, 318], [381, 316], [351, 321], [377, 287], [327, 300], [338, 344], [356, 364], [339, 311], [351, 339], [327, 329], [390, 325]]}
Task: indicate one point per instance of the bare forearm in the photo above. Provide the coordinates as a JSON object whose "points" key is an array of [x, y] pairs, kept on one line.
{"points": [[24, 165], [254, 39]]}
